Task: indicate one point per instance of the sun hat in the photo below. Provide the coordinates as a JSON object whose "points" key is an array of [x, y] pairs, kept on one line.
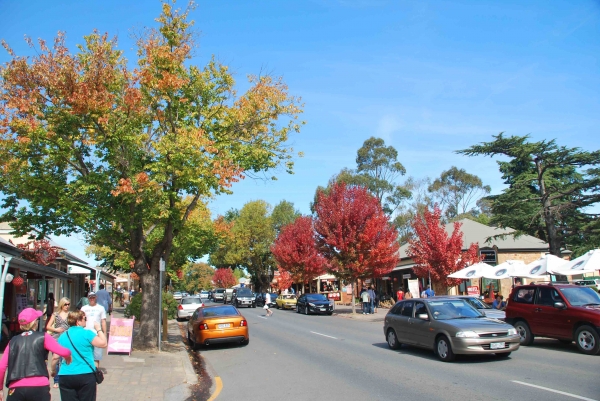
{"points": [[28, 315], [92, 294]]}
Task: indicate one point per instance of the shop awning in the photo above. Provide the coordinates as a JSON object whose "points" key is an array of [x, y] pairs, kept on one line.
{"points": [[326, 277], [83, 269], [404, 267], [27, 266]]}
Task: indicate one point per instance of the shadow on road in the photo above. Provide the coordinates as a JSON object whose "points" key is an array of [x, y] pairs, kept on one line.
{"points": [[428, 354]]}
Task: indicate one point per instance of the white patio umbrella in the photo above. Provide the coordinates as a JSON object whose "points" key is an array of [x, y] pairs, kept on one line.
{"points": [[503, 270], [589, 262], [539, 267], [473, 271]]}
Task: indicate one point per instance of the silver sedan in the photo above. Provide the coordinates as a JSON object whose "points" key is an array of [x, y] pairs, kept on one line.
{"points": [[448, 326]]}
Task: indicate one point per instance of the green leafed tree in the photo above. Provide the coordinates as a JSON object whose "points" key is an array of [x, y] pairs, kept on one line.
{"points": [[196, 277], [552, 190], [89, 143]]}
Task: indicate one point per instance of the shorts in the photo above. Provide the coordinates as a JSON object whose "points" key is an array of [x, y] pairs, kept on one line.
{"points": [[98, 353], [266, 306]]}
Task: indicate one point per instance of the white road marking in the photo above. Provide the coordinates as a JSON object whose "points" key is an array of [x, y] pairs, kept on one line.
{"points": [[262, 317], [555, 391], [324, 335]]}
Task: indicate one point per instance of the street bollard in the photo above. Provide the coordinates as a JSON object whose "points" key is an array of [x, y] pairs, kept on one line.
{"points": [[165, 324]]}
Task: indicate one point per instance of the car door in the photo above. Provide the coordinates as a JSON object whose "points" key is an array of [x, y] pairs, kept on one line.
{"points": [[401, 322], [419, 330], [301, 304], [548, 320]]}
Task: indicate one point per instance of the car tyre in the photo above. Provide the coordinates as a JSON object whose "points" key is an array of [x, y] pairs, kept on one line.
{"points": [[254, 305], [297, 309], [245, 342], [443, 349], [392, 339], [277, 306], [503, 355], [524, 332], [587, 340], [306, 310], [192, 343]]}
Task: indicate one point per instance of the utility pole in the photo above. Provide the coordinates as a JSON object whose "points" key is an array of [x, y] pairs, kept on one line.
{"points": [[162, 269]]}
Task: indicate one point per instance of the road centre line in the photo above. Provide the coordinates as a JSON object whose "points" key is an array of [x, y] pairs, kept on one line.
{"points": [[324, 335], [555, 391]]}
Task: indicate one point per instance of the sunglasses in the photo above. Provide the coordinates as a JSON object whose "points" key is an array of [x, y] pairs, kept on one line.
{"points": [[66, 304]]}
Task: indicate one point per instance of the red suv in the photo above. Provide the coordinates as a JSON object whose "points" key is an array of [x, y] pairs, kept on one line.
{"points": [[563, 311]]}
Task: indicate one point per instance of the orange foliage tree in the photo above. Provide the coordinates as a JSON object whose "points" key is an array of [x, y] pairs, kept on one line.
{"points": [[284, 281], [224, 278]]}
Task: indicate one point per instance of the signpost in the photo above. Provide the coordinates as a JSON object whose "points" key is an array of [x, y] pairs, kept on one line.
{"points": [[162, 268]]}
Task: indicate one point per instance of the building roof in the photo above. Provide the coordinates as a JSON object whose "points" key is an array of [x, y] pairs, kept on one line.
{"points": [[474, 232]]}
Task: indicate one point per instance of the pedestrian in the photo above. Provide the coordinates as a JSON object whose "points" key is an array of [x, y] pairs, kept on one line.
{"points": [[24, 360], [77, 380], [371, 300], [408, 295], [267, 306], [49, 307], [95, 314], [104, 299], [365, 302], [399, 294], [58, 324], [428, 292]]}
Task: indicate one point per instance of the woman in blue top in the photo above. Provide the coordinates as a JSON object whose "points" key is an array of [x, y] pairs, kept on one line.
{"points": [[77, 380]]}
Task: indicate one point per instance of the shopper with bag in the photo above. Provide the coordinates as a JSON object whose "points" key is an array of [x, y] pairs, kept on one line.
{"points": [[78, 380]]}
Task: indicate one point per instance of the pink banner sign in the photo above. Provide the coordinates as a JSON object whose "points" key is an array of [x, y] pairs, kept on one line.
{"points": [[121, 335]]}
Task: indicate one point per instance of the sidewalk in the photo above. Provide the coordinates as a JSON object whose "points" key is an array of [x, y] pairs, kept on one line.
{"points": [[147, 375], [345, 311]]}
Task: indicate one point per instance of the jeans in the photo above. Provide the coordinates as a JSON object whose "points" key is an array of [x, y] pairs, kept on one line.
{"points": [[372, 306], [365, 307]]}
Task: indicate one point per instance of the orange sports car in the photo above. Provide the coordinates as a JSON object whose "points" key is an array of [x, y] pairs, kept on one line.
{"points": [[217, 324]]}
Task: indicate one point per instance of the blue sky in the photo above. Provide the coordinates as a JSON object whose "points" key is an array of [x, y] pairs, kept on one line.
{"points": [[429, 77]]}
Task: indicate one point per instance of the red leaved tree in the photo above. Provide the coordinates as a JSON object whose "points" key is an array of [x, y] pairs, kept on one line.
{"points": [[284, 281], [224, 278], [353, 234], [295, 251], [435, 252], [40, 252]]}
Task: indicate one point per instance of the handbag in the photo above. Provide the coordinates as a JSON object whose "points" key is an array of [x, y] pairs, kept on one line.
{"points": [[98, 373]]}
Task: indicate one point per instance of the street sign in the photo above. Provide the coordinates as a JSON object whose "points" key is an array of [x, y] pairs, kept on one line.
{"points": [[162, 265]]}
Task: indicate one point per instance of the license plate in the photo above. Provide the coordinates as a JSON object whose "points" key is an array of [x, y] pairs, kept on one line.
{"points": [[223, 325], [497, 345]]}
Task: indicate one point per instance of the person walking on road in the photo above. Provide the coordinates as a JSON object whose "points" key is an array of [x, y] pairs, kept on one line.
{"points": [[365, 301], [95, 314], [267, 306], [24, 360]]}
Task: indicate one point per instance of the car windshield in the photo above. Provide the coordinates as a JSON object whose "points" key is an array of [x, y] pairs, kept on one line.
{"points": [[187, 301], [244, 293], [452, 309], [477, 304], [288, 296], [220, 311], [220, 291], [316, 297], [581, 296]]}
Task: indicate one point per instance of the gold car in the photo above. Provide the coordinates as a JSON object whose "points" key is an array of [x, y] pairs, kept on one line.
{"points": [[217, 324], [286, 301]]}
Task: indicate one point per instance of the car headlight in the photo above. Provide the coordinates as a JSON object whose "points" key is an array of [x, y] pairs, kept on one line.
{"points": [[309, 304], [512, 332], [467, 334]]}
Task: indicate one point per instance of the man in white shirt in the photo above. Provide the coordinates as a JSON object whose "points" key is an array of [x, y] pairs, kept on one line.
{"points": [[95, 313]]}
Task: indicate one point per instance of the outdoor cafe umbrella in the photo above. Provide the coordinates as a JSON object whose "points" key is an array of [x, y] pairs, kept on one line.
{"points": [[473, 271], [539, 268], [503, 270], [589, 262]]}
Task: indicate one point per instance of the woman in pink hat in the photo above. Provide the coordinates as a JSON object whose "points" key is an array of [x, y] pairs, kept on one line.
{"points": [[24, 360]]}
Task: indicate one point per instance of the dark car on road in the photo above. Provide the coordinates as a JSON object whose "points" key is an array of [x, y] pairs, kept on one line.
{"points": [[243, 297], [314, 303], [565, 312], [260, 299]]}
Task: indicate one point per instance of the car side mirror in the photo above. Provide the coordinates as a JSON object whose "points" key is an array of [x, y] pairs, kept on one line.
{"points": [[560, 305], [423, 316]]}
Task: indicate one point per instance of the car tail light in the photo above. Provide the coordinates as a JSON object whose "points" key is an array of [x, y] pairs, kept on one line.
{"points": [[243, 323], [203, 326], [180, 307]]}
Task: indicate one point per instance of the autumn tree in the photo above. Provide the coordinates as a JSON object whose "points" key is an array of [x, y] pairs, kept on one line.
{"points": [[353, 234], [437, 254], [284, 280], [124, 155], [41, 251], [552, 190], [197, 276], [224, 278], [295, 251]]}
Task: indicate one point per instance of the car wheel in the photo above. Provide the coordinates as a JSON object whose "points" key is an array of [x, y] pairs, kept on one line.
{"points": [[297, 309], [329, 313], [254, 305], [277, 306], [392, 340], [245, 342], [524, 332], [503, 355], [587, 340], [306, 310], [191, 342], [444, 349]]}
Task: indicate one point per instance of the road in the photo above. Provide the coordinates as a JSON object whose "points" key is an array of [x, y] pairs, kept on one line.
{"points": [[330, 357]]}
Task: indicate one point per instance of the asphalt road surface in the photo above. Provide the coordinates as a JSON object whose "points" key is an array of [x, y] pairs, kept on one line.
{"points": [[298, 357]]}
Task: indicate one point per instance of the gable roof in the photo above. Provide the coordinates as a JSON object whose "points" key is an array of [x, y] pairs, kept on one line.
{"points": [[474, 232]]}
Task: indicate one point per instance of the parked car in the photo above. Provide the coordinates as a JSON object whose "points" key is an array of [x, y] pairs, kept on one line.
{"points": [[260, 299], [286, 301], [228, 296], [481, 306], [204, 294], [314, 303], [592, 283], [187, 306], [448, 326], [243, 297], [217, 324], [177, 295], [566, 312], [218, 295]]}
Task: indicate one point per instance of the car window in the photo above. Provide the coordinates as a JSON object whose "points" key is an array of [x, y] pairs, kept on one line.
{"points": [[220, 311], [244, 293], [455, 309], [288, 296], [420, 308], [581, 296], [316, 297], [407, 309], [188, 301], [396, 309], [477, 304], [525, 295], [547, 296]]}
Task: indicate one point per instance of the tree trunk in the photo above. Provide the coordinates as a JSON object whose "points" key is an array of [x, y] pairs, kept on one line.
{"points": [[353, 298], [149, 315], [554, 240]]}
